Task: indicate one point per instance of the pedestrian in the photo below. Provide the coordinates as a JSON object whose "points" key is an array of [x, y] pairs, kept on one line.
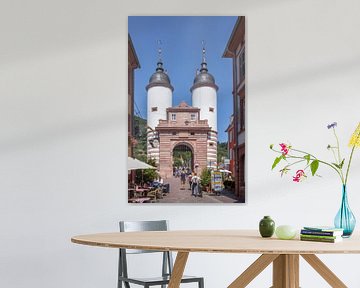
{"points": [[189, 180], [195, 186], [182, 179]]}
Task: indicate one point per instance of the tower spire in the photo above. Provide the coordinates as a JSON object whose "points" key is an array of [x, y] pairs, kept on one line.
{"points": [[203, 63], [159, 63]]}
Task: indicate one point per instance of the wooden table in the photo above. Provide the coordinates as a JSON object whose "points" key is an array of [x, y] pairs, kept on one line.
{"points": [[284, 254]]}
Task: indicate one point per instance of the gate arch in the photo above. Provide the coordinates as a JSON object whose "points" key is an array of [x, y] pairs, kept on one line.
{"points": [[183, 155]]}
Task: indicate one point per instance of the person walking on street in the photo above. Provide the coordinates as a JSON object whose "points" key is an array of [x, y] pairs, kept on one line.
{"points": [[195, 186], [189, 179], [182, 179]]}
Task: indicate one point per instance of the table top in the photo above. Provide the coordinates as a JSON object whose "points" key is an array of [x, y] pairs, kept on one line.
{"points": [[217, 241]]}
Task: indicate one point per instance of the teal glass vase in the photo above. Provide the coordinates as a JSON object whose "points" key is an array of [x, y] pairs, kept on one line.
{"points": [[345, 219]]}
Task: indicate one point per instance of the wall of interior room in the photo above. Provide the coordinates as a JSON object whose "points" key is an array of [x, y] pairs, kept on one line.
{"points": [[63, 123]]}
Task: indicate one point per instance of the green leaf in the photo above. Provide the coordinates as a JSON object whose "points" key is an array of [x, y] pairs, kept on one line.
{"points": [[307, 157], [271, 146], [342, 163], [339, 166], [336, 165], [314, 166], [276, 161]]}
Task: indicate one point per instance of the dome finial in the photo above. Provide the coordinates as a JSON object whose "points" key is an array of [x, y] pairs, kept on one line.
{"points": [[203, 64], [159, 50], [203, 51], [159, 63]]}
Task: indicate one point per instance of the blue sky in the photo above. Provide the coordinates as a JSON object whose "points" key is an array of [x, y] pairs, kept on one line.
{"points": [[181, 41]]}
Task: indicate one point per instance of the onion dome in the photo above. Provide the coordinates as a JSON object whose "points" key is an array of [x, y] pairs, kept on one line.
{"points": [[204, 78], [160, 77]]}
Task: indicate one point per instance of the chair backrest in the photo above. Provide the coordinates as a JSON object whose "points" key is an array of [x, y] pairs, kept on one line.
{"points": [[134, 226]]}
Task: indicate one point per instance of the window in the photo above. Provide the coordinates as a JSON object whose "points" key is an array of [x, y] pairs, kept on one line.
{"points": [[211, 144], [242, 65], [173, 117], [192, 133], [173, 133], [193, 117], [153, 109], [242, 113], [238, 116], [211, 109]]}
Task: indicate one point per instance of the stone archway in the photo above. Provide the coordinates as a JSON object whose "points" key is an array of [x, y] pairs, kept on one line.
{"points": [[183, 156]]}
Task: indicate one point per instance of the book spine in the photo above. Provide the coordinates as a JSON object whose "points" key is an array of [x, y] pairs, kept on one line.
{"points": [[320, 233], [318, 239], [319, 236]]}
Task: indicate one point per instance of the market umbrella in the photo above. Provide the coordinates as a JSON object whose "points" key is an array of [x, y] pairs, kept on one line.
{"points": [[134, 164], [225, 171]]}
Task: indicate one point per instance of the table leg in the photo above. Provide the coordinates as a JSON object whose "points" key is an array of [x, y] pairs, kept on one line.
{"points": [[253, 270], [286, 271], [324, 271], [178, 269]]}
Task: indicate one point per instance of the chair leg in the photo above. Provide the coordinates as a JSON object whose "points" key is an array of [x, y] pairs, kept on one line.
{"points": [[119, 270], [201, 283]]}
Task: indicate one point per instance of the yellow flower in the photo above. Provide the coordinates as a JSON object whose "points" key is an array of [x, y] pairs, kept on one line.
{"points": [[355, 137]]}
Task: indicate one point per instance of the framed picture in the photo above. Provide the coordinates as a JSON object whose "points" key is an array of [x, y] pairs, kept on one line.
{"points": [[186, 109]]}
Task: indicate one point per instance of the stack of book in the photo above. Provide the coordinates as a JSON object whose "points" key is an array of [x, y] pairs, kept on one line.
{"points": [[321, 234]]}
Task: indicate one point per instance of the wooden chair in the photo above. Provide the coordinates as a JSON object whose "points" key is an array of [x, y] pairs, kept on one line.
{"points": [[167, 262], [155, 194]]}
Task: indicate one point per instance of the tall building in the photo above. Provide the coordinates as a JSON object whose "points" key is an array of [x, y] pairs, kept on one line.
{"points": [[159, 98], [204, 96], [191, 128], [235, 49], [133, 63]]}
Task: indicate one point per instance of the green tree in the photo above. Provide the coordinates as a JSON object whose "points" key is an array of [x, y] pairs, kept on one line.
{"points": [[140, 149], [146, 175], [205, 177], [222, 151], [182, 158]]}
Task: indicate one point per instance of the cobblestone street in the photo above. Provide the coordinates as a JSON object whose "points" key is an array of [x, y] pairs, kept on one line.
{"points": [[177, 195]]}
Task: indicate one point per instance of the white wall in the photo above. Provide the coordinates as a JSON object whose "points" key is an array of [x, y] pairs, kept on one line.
{"points": [[63, 119]]}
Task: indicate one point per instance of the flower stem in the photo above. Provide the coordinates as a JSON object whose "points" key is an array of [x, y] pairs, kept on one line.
{"points": [[296, 150], [320, 161], [339, 156], [351, 155], [338, 146], [312, 158], [348, 167]]}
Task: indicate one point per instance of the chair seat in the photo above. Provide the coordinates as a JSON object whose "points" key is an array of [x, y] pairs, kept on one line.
{"points": [[158, 280]]}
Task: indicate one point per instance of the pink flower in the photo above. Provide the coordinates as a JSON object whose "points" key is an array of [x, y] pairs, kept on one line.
{"points": [[300, 174], [284, 148]]}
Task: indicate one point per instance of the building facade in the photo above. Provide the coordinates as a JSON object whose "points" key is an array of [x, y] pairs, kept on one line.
{"points": [[192, 128], [235, 49], [231, 145], [133, 63], [183, 130]]}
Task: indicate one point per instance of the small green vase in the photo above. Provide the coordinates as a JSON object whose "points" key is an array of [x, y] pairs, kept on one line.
{"points": [[266, 226]]}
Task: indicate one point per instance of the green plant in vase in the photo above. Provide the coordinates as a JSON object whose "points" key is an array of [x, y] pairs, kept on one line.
{"points": [[292, 157]]}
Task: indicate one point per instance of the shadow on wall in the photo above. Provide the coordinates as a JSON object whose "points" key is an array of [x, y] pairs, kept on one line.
{"points": [[312, 74], [56, 134]]}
